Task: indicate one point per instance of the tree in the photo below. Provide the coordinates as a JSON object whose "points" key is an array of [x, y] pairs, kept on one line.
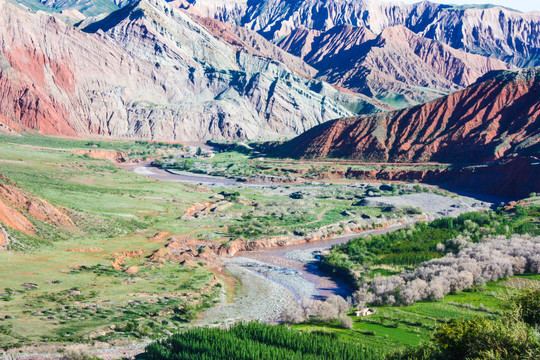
{"points": [[509, 337], [527, 304]]}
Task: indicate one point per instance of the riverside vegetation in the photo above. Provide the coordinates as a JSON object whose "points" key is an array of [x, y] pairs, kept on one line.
{"points": [[63, 279], [99, 279]]}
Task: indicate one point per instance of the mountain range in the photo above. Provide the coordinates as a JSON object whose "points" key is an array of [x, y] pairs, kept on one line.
{"points": [[151, 71], [396, 54], [414, 83]]}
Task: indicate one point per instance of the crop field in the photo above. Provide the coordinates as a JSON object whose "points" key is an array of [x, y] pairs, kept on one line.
{"points": [[396, 326]]}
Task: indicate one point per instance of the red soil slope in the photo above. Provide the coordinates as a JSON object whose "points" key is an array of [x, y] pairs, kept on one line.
{"points": [[493, 125], [17, 207], [493, 119]]}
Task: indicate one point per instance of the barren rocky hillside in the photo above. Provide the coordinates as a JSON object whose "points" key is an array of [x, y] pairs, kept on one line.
{"points": [[150, 71], [397, 66], [493, 119], [502, 33]]}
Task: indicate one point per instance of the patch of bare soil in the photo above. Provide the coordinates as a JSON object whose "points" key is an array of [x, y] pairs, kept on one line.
{"points": [[89, 250], [112, 155]]}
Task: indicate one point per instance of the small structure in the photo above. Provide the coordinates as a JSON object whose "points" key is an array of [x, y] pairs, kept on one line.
{"points": [[365, 312]]}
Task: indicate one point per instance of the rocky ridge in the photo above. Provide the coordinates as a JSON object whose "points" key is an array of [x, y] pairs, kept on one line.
{"points": [[502, 33], [493, 123], [150, 71], [396, 66]]}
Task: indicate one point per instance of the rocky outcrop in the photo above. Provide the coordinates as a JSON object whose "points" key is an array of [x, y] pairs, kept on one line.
{"points": [[397, 66], [398, 54], [150, 71], [244, 39]]}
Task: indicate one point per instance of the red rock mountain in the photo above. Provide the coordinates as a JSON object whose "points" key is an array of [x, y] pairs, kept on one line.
{"points": [[489, 133], [397, 66], [498, 117]]}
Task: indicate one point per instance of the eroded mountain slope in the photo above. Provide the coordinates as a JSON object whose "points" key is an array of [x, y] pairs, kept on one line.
{"points": [[488, 30], [494, 119], [397, 65], [150, 71]]}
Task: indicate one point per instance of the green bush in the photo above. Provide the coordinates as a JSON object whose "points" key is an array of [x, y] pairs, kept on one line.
{"points": [[506, 338], [527, 304]]}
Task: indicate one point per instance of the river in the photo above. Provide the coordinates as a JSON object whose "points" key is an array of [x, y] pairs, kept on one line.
{"points": [[273, 278]]}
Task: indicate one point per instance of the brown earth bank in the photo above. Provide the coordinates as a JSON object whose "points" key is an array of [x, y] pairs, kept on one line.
{"points": [[115, 156], [17, 208], [189, 250]]}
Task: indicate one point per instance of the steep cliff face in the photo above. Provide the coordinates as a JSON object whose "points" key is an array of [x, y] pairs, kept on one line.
{"points": [[151, 71], [494, 119], [396, 66], [508, 35]]}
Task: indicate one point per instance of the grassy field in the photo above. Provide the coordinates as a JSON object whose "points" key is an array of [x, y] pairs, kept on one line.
{"points": [[75, 294], [55, 278], [394, 327]]}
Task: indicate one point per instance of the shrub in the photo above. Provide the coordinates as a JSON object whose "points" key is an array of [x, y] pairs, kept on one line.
{"points": [[78, 355], [527, 304], [345, 322]]}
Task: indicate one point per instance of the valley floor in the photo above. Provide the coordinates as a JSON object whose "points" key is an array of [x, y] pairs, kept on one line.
{"points": [[148, 251]]}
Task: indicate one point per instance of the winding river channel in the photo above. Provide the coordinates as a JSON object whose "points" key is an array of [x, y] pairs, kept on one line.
{"points": [[274, 278]]}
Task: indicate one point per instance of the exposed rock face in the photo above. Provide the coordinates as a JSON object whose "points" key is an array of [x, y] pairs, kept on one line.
{"points": [[396, 66], [496, 119], [493, 119], [150, 71], [82, 7], [244, 39], [508, 35], [394, 54]]}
